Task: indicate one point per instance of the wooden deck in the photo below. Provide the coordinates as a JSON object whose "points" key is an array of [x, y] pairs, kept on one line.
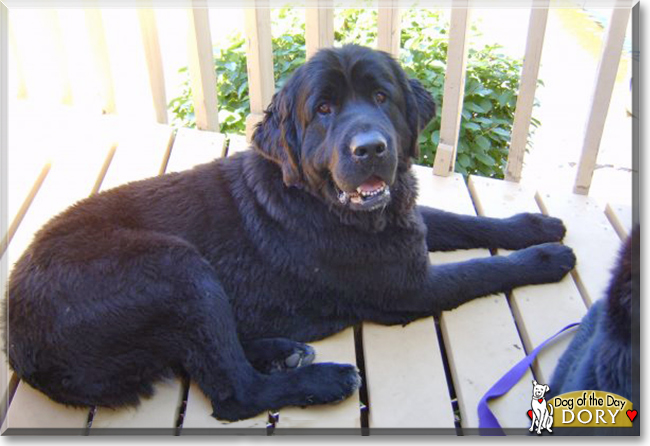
{"points": [[428, 375]]}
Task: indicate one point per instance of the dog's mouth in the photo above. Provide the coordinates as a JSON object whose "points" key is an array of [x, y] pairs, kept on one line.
{"points": [[369, 195]]}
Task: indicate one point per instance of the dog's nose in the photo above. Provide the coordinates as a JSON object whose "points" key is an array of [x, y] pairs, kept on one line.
{"points": [[368, 145]]}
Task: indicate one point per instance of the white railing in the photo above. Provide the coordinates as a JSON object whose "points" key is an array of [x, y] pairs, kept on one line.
{"points": [[320, 33]]}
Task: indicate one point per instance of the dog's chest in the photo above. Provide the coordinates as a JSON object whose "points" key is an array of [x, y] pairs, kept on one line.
{"points": [[538, 403]]}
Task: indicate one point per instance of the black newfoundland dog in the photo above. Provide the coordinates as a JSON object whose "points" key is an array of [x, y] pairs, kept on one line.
{"points": [[223, 271]]}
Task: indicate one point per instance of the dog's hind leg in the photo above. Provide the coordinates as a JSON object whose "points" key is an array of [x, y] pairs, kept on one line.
{"points": [[277, 354], [207, 345]]}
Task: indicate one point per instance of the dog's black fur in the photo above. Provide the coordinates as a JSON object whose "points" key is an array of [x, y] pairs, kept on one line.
{"points": [[600, 356], [224, 270]]}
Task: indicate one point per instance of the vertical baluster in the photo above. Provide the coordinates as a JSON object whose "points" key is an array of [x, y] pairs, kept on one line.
{"points": [[99, 50], [527, 86], [388, 32], [153, 56], [319, 26], [454, 90], [259, 62], [605, 78], [201, 68]]}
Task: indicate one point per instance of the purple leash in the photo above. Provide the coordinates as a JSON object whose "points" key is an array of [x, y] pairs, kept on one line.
{"points": [[487, 422]]}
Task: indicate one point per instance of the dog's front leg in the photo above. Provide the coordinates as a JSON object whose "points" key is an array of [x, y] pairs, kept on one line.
{"points": [[445, 287], [450, 285], [447, 231]]}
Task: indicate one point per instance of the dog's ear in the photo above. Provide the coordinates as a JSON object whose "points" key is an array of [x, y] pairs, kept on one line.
{"points": [[421, 100], [277, 138], [534, 383], [548, 389]]}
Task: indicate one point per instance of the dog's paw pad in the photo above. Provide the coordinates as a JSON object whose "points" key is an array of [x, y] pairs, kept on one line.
{"points": [[278, 354], [300, 358]]}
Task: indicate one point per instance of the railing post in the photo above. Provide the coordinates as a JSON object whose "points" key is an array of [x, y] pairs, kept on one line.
{"points": [[99, 50], [201, 68], [454, 90], [388, 28], [21, 88], [259, 62], [319, 26], [605, 78], [51, 21], [153, 56], [526, 95]]}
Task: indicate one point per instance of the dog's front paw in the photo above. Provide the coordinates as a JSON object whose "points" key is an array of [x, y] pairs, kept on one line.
{"points": [[546, 263], [533, 229]]}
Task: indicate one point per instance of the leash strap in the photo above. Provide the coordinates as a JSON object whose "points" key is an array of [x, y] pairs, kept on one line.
{"points": [[486, 418]]}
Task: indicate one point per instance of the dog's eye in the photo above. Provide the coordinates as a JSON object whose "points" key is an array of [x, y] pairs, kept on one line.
{"points": [[380, 97], [324, 108]]}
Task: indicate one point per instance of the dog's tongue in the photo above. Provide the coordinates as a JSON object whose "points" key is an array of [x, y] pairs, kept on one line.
{"points": [[371, 184]]}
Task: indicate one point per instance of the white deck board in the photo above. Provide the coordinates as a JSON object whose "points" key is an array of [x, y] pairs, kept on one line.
{"points": [[30, 409], [405, 377], [159, 411], [346, 414], [591, 236], [141, 153], [535, 307], [393, 379], [192, 147], [198, 415], [237, 144], [480, 336]]}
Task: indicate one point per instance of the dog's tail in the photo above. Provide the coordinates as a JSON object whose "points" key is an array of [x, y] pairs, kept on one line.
{"points": [[550, 406]]}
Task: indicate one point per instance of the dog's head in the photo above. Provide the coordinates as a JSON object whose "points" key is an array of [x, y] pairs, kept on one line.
{"points": [[345, 126], [539, 390]]}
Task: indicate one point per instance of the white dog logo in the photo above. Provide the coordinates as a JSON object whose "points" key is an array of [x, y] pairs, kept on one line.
{"points": [[542, 413]]}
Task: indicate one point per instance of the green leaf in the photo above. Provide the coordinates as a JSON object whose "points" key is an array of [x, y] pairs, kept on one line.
{"points": [[502, 132], [484, 91], [504, 97], [486, 105], [484, 121], [483, 142], [463, 160], [472, 126], [485, 159], [435, 137], [471, 106]]}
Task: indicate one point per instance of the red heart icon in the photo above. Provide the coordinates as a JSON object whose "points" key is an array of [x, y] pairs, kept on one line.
{"points": [[530, 414], [540, 400], [631, 414]]}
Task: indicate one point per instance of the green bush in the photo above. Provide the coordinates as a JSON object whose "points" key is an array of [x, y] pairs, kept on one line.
{"points": [[491, 84]]}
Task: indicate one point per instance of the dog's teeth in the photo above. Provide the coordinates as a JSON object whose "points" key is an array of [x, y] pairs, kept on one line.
{"points": [[371, 193]]}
